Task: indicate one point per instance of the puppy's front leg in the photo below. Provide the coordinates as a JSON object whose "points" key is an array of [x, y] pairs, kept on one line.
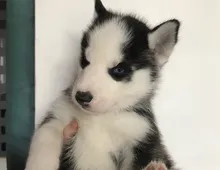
{"points": [[46, 146]]}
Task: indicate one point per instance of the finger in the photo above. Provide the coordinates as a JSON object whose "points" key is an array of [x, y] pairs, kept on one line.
{"points": [[70, 130], [74, 125]]}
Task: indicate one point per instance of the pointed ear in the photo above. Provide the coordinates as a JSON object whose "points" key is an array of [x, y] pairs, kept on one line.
{"points": [[99, 8], [162, 40]]}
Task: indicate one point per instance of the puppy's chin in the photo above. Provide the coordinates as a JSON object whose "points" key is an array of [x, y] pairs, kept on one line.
{"points": [[95, 110], [91, 110]]}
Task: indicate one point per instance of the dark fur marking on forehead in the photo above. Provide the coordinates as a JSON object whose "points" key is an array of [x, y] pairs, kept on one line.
{"points": [[84, 44], [101, 20], [136, 50], [85, 39]]}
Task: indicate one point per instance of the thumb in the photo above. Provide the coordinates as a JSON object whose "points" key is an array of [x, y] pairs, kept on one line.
{"points": [[70, 130]]}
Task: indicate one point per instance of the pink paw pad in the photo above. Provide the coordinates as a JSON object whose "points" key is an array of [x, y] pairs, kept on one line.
{"points": [[154, 165]]}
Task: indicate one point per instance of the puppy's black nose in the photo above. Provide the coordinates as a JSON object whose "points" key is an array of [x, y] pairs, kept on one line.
{"points": [[83, 98]]}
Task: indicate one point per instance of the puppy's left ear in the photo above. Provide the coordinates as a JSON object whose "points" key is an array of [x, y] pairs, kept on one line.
{"points": [[162, 40], [99, 8]]}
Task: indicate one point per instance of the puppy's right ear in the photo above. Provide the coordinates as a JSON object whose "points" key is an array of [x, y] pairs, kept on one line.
{"points": [[99, 9]]}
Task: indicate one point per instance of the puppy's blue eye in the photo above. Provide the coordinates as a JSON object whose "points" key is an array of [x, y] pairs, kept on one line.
{"points": [[118, 70]]}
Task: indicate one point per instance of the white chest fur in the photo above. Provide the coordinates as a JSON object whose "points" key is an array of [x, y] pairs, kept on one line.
{"points": [[100, 136]]}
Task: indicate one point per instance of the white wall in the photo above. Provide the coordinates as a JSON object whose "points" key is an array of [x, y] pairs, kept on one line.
{"points": [[2, 164], [188, 103]]}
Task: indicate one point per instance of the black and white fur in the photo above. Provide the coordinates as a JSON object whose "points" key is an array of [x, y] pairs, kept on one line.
{"points": [[121, 58]]}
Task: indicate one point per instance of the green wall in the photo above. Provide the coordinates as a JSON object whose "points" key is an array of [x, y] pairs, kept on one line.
{"points": [[20, 80]]}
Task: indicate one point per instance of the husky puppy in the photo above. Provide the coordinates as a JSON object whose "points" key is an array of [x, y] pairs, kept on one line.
{"points": [[121, 58]]}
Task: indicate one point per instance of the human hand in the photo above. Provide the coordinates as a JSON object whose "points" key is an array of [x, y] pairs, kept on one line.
{"points": [[70, 130]]}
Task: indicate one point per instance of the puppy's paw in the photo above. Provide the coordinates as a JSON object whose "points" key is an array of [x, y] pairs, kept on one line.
{"points": [[42, 161], [156, 165]]}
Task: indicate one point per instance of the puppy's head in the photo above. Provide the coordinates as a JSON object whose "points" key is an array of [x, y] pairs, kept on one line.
{"points": [[120, 60]]}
